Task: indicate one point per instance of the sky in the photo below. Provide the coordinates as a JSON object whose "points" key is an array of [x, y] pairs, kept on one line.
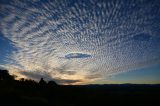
{"points": [[81, 41]]}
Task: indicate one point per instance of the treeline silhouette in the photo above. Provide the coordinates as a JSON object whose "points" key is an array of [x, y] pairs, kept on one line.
{"points": [[29, 92]]}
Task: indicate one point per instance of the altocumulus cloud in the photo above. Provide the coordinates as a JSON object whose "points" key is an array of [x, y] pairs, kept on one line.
{"points": [[95, 38]]}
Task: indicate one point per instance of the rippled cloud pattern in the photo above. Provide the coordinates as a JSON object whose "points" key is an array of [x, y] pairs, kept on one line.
{"points": [[81, 41]]}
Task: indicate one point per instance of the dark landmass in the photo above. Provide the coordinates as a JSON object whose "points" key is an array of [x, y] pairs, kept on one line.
{"points": [[28, 92]]}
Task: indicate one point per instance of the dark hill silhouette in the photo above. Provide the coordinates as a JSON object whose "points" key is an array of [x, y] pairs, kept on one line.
{"points": [[52, 83], [28, 92]]}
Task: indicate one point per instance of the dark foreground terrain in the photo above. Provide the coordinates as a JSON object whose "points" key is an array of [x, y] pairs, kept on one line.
{"points": [[29, 92]]}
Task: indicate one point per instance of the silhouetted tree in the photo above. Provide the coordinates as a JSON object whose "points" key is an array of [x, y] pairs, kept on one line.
{"points": [[42, 82], [22, 79], [5, 76]]}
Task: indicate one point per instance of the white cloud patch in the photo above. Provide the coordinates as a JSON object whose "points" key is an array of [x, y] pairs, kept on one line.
{"points": [[104, 32]]}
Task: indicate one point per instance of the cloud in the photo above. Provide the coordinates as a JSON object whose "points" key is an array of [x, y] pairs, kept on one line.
{"points": [[77, 55], [67, 72], [37, 75], [67, 81], [93, 76], [69, 40], [142, 37]]}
